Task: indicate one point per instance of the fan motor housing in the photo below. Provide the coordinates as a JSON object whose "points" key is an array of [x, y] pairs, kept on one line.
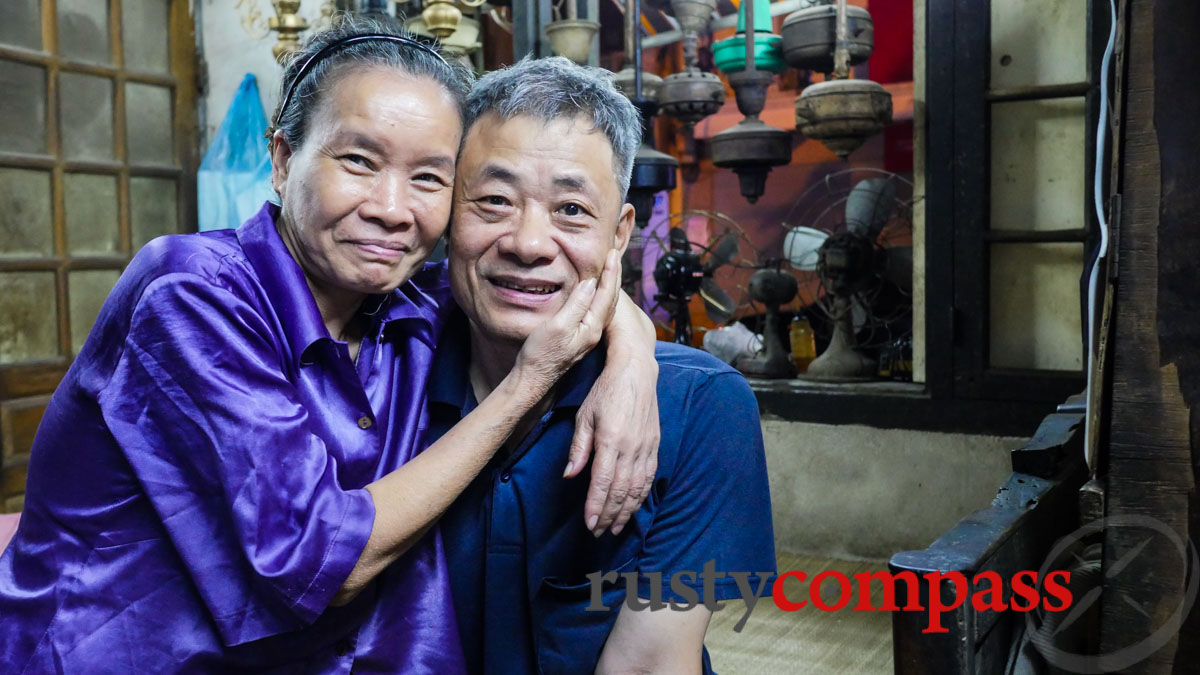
{"points": [[846, 262], [678, 275], [691, 96], [773, 287]]}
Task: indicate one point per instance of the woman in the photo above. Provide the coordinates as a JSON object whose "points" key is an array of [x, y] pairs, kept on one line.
{"points": [[225, 471]]}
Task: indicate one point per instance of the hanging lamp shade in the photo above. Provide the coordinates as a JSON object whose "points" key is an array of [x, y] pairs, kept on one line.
{"points": [[730, 55]]}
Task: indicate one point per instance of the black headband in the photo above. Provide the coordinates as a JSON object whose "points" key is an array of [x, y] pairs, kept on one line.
{"points": [[334, 46]]}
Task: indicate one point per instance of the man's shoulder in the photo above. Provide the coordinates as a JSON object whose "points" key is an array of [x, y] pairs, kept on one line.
{"points": [[695, 387], [676, 361]]}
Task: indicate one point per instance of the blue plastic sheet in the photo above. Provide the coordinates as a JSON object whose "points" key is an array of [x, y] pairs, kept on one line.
{"points": [[235, 177]]}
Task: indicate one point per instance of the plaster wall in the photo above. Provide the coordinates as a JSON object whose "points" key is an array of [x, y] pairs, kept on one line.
{"points": [[859, 492], [234, 40]]}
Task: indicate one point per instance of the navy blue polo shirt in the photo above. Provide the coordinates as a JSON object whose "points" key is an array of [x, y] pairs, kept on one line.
{"points": [[519, 552]]}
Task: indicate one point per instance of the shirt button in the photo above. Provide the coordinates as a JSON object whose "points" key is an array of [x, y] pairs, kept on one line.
{"points": [[364, 422], [342, 647], [505, 477]]}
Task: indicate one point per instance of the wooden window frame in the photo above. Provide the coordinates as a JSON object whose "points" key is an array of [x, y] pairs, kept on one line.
{"points": [[27, 386], [962, 393]]}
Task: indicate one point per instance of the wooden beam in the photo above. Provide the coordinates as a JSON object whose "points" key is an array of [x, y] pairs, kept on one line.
{"points": [[1149, 471]]}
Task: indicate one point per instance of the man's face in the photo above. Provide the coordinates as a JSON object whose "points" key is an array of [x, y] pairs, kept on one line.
{"points": [[367, 194], [536, 211]]}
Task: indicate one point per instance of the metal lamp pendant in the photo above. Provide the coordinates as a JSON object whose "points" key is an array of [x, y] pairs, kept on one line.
{"points": [[441, 17]]}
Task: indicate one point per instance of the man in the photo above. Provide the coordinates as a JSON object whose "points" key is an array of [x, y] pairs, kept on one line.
{"points": [[539, 204]]}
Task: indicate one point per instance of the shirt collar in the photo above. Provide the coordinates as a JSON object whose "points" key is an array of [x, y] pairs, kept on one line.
{"points": [[282, 279], [451, 381], [423, 298]]}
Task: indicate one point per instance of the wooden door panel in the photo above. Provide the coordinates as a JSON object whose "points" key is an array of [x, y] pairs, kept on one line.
{"points": [[97, 156]]}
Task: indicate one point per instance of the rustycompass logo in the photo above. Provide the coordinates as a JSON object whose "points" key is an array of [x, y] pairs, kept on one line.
{"points": [[1129, 655]]}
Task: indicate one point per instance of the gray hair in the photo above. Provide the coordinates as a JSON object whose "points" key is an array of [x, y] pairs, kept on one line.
{"points": [[555, 88], [454, 77]]}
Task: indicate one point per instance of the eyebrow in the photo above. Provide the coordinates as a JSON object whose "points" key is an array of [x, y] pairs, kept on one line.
{"points": [[444, 162], [565, 182], [571, 183], [359, 139], [497, 172], [439, 161]]}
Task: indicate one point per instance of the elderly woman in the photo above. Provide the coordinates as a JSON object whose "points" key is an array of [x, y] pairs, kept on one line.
{"points": [[227, 479]]}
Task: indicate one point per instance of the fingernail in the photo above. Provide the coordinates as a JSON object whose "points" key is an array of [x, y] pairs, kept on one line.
{"points": [[592, 522], [567, 471], [617, 530], [597, 532], [589, 286]]}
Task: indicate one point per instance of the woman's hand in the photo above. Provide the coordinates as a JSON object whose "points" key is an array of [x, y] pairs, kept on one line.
{"points": [[572, 332], [408, 500], [619, 421]]}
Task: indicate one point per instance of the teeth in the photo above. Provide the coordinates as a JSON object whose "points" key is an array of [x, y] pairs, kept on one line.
{"points": [[538, 290]]}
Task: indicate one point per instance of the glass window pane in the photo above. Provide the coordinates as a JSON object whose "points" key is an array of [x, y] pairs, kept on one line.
{"points": [[25, 223], [22, 24], [91, 209], [1035, 42], [28, 317], [85, 114], [144, 33], [148, 124], [1038, 171], [152, 209], [83, 30], [1035, 315], [88, 291], [22, 107]]}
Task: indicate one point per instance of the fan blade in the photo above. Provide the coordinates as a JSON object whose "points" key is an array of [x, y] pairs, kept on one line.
{"points": [[722, 253], [898, 267], [800, 247], [869, 206], [717, 302]]}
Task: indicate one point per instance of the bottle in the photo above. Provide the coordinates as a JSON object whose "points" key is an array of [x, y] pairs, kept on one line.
{"points": [[903, 371], [804, 345]]}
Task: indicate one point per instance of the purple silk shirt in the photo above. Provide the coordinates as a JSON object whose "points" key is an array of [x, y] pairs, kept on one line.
{"points": [[195, 493]]}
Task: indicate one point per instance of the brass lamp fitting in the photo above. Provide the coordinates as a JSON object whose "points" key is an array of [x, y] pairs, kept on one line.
{"points": [[289, 24], [441, 17]]}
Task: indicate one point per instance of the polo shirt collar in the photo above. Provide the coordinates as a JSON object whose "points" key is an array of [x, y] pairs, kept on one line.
{"points": [[288, 292], [451, 381]]}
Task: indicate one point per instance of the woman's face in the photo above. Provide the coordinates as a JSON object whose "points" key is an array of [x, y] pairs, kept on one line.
{"points": [[368, 192]]}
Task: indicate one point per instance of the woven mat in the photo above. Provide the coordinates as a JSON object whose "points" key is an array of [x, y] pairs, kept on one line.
{"points": [[775, 642]]}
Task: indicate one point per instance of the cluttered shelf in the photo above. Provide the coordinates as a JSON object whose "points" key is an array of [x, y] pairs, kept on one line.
{"points": [[876, 387], [886, 404]]}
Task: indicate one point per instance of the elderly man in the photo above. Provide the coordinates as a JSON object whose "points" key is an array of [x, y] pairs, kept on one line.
{"points": [[539, 204]]}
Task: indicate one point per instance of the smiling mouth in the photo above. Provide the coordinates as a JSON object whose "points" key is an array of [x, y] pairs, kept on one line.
{"points": [[385, 249], [533, 289]]}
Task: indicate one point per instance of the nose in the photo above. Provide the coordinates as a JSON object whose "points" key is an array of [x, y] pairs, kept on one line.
{"points": [[532, 239], [388, 202]]}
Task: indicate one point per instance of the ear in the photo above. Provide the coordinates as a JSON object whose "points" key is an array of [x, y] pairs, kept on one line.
{"points": [[624, 228], [281, 154]]}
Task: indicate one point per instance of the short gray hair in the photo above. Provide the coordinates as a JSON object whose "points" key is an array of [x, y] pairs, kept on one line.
{"points": [[555, 88], [452, 76]]}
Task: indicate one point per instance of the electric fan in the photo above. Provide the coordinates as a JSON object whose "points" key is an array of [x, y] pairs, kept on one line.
{"points": [[859, 245], [702, 252]]}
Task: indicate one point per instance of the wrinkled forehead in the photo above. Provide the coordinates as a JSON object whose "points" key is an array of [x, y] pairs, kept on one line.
{"points": [[497, 147], [382, 96]]}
